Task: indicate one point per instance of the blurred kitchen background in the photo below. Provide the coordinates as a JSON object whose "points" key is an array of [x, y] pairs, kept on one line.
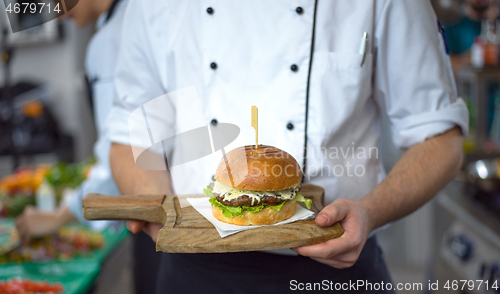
{"points": [[47, 134]]}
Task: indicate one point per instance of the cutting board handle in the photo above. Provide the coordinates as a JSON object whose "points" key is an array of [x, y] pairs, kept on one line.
{"points": [[141, 207]]}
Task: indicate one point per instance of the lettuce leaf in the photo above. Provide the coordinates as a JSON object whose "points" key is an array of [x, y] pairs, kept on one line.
{"points": [[231, 211], [307, 202], [277, 207], [227, 211], [208, 191], [253, 209]]}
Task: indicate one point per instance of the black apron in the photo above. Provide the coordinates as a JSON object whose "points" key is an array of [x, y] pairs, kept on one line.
{"points": [[259, 272]]}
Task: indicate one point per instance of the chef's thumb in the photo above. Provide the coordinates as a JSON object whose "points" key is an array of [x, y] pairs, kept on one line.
{"points": [[331, 214]]}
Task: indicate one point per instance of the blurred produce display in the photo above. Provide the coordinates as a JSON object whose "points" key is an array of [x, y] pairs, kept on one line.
{"points": [[25, 286], [24, 181], [64, 175], [9, 237], [19, 189], [72, 258], [71, 241], [66, 262]]}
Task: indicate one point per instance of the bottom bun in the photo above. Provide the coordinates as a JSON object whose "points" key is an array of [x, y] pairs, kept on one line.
{"points": [[266, 216]]}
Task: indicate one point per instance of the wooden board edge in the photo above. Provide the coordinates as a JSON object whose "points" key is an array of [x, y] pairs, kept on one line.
{"points": [[164, 245]]}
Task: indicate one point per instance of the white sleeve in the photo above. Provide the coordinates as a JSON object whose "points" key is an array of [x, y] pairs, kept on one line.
{"points": [[136, 82], [414, 81]]}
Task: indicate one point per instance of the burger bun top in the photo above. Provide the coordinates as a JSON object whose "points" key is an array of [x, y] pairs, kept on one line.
{"points": [[265, 168]]}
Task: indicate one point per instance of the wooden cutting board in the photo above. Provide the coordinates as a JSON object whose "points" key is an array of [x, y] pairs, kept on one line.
{"points": [[187, 231]]}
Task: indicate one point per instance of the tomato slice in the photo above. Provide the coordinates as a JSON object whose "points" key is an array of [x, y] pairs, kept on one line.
{"points": [[272, 203]]}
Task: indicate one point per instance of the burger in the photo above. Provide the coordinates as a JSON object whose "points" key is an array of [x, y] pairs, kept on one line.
{"points": [[256, 186]]}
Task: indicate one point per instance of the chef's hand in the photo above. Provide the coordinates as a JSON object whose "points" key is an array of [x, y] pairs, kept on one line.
{"points": [[344, 251], [33, 223], [151, 229]]}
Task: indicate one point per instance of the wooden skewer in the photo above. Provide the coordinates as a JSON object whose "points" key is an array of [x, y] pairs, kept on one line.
{"points": [[255, 125]]}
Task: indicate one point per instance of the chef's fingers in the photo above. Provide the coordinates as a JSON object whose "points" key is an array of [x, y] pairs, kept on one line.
{"points": [[135, 226], [332, 213], [149, 228], [152, 230], [353, 220], [329, 249], [341, 262]]}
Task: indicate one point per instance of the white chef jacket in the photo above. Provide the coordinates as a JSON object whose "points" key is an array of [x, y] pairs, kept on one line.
{"points": [[100, 63], [242, 53]]}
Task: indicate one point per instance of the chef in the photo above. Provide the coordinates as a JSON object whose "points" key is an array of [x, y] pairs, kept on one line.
{"points": [[322, 73]]}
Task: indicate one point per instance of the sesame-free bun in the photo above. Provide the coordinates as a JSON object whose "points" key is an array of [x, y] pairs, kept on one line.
{"points": [[266, 168], [266, 216]]}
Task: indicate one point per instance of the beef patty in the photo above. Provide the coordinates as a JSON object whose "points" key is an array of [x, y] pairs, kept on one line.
{"points": [[245, 200]]}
